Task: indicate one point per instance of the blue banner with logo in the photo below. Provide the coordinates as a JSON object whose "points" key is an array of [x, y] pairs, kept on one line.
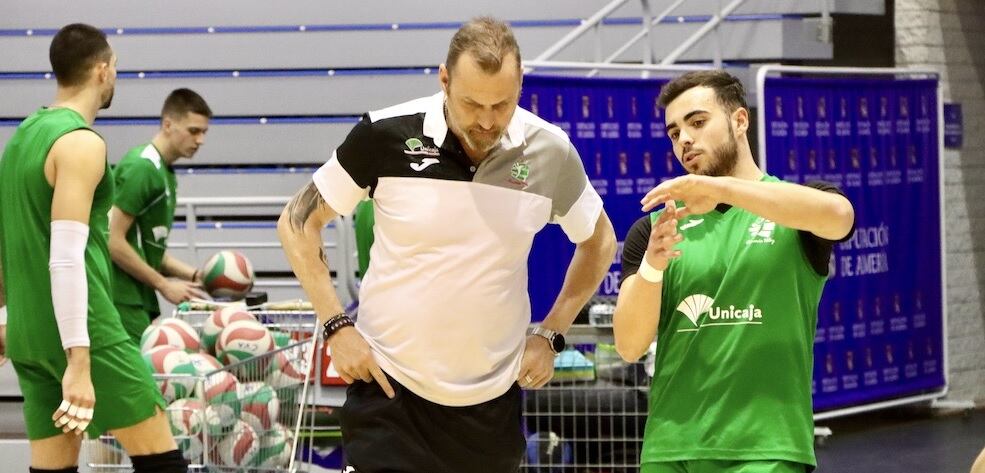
{"points": [[617, 127], [880, 321]]}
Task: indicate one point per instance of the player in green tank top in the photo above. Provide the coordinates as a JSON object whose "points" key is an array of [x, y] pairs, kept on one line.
{"points": [[75, 366], [727, 277], [143, 212]]}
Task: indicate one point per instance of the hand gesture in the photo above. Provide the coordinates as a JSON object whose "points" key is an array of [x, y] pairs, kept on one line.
{"points": [[663, 237], [701, 194], [353, 359]]}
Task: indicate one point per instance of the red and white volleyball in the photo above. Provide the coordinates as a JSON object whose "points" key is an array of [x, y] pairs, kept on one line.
{"points": [[172, 361], [242, 340], [217, 321], [228, 274]]}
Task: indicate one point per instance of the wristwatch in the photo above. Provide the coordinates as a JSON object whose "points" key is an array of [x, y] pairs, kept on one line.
{"points": [[555, 338]]}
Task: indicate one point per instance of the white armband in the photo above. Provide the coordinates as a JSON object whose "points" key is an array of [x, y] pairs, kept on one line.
{"points": [[649, 273], [3, 315], [69, 287]]}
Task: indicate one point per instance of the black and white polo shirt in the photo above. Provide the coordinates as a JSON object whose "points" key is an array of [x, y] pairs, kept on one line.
{"points": [[444, 302]]}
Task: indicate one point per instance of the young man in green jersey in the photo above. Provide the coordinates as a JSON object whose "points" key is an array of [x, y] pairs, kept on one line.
{"points": [[727, 278], [64, 336], [143, 211]]}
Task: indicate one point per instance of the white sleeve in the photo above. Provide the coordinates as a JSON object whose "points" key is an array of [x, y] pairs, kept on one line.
{"points": [[3, 315], [579, 221], [69, 287], [337, 187]]}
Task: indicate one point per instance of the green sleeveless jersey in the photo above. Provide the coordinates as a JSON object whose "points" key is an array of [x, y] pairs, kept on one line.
{"points": [[146, 189], [25, 235], [735, 344]]}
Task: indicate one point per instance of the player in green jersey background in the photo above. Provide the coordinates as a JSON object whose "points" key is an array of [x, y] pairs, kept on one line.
{"points": [[77, 369], [143, 212], [727, 277]]}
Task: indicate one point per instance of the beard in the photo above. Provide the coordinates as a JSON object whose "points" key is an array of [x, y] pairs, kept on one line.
{"points": [[107, 101], [725, 157], [482, 141], [473, 138]]}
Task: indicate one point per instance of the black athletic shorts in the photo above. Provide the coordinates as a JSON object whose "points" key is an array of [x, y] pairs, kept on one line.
{"points": [[409, 434]]}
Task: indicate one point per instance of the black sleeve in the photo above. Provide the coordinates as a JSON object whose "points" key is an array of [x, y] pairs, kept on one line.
{"points": [[634, 247], [359, 154], [817, 249]]}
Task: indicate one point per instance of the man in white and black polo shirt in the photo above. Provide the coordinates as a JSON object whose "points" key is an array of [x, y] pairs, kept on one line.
{"points": [[461, 182]]}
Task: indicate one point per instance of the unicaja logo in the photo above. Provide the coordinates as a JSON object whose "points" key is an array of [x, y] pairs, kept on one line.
{"points": [[695, 305]]}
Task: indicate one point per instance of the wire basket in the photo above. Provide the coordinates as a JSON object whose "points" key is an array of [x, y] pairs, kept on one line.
{"points": [[244, 416]]}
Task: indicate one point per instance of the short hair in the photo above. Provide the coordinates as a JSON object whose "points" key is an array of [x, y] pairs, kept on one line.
{"points": [[182, 101], [488, 40], [74, 50], [728, 89]]}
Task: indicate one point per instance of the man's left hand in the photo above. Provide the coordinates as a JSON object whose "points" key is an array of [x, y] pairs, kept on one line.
{"points": [[700, 194], [537, 365]]}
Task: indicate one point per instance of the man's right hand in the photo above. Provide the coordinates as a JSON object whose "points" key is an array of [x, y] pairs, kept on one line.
{"points": [[177, 291], [353, 359], [78, 395], [663, 236]]}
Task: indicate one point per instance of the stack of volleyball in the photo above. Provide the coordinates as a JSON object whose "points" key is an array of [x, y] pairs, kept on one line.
{"points": [[232, 385], [228, 275]]}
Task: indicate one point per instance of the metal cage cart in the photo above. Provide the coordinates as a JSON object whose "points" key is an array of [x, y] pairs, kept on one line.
{"points": [[591, 416], [249, 415]]}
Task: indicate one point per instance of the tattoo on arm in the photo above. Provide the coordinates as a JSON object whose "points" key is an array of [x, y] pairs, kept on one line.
{"points": [[303, 205]]}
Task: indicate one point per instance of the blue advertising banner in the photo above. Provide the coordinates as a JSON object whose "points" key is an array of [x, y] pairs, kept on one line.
{"points": [[880, 321], [618, 129]]}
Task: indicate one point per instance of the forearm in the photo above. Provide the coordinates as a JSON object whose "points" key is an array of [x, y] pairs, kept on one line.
{"points": [[174, 267], [825, 214], [589, 265], [126, 258], [304, 250], [637, 316]]}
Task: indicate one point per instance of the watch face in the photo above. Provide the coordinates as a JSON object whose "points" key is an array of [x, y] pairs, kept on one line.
{"points": [[558, 343]]}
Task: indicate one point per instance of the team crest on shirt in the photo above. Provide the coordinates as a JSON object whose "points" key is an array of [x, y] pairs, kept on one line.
{"points": [[519, 174], [761, 231], [415, 147]]}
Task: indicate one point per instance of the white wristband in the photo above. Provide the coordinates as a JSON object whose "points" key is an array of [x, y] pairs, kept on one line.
{"points": [[3, 315], [649, 273]]}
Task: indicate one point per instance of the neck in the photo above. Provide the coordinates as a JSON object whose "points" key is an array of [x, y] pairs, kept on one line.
{"points": [[746, 167], [168, 154], [84, 101]]}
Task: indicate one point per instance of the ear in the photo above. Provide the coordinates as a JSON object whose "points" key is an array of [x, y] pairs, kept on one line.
{"points": [[101, 71], [444, 78], [740, 120]]}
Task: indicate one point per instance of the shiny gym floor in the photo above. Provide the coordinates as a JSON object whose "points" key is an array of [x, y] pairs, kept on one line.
{"points": [[910, 440]]}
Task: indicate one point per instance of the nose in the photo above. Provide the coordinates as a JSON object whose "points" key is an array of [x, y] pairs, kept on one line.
{"points": [[684, 139], [487, 120], [200, 139]]}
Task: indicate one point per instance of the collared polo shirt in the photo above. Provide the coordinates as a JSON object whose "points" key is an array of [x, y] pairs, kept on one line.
{"points": [[444, 303]]}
